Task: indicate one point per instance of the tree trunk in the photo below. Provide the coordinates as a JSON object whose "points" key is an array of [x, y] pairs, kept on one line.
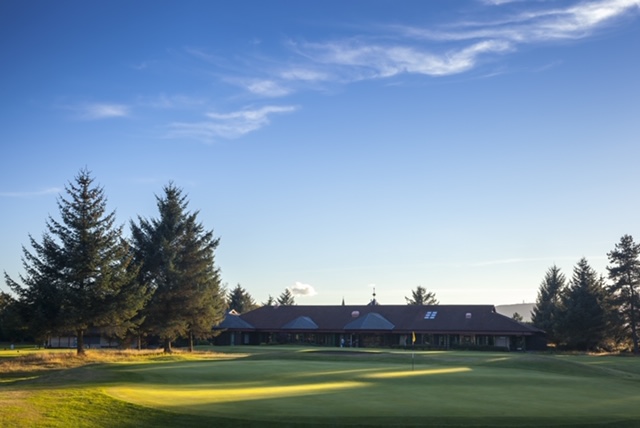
{"points": [[167, 346], [139, 343], [190, 341], [80, 344], [634, 329]]}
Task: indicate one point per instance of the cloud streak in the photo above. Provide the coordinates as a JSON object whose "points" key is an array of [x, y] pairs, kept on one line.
{"points": [[377, 53], [164, 101], [534, 26], [228, 125], [441, 50], [97, 111], [380, 61], [267, 88]]}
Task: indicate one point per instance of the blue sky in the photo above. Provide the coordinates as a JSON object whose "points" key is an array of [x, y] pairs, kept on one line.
{"points": [[334, 146]]}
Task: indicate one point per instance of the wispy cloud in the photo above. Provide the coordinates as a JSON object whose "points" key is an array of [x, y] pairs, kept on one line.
{"points": [[45, 192], [282, 82], [300, 289], [499, 29], [164, 101], [228, 125], [304, 74], [434, 57], [380, 61], [451, 48], [531, 25], [96, 111], [267, 88]]}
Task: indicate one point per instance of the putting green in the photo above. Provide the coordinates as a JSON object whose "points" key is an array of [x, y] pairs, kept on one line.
{"points": [[449, 389]]}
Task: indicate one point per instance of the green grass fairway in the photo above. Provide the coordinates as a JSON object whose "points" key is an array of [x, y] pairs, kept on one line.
{"points": [[276, 386]]}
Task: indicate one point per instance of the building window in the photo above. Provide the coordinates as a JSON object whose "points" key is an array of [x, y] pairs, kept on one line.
{"points": [[430, 315]]}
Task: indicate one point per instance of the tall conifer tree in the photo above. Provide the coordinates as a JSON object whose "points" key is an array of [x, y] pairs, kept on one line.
{"points": [[420, 296], [286, 298], [584, 320], [270, 301], [240, 300], [624, 272], [40, 291], [545, 314], [177, 257], [11, 326], [81, 275]]}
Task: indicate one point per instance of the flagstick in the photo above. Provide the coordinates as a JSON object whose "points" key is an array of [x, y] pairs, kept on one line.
{"points": [[413, 350]]}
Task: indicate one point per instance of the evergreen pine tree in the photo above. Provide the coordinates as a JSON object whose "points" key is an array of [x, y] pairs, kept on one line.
{"points": [[40, 292], [546, 311], [420, 296], [583, 323], [207, 307], [286, 298], [270, 301], [624, 272], [240, 300], [11, 326], [81, 275], [177, 257]]}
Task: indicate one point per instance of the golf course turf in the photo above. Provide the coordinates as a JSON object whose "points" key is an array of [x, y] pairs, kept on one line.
{"points": [[287, 386]]}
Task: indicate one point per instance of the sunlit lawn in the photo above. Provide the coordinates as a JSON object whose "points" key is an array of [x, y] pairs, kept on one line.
{"points": [[277, 386]]}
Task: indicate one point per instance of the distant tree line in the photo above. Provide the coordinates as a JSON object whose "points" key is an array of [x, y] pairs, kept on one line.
{"points": [[241, 301], [592, 312]]}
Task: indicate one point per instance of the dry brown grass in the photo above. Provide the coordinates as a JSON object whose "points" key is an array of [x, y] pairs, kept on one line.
{"points": [[56, 360], [39, 362]]}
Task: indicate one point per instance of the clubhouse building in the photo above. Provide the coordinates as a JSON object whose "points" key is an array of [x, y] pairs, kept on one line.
{"points": [[373, 325]]}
